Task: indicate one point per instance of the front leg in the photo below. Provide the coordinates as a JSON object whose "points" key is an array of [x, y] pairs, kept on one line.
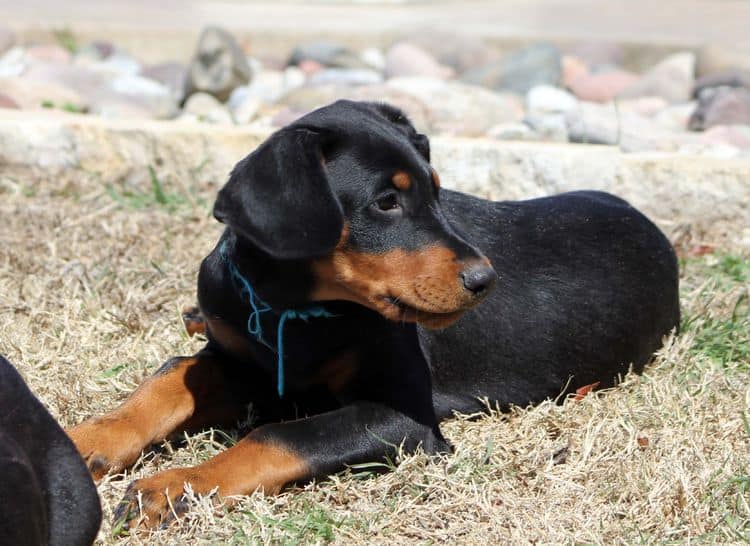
{"points": [[275, 455], [185, 393]]}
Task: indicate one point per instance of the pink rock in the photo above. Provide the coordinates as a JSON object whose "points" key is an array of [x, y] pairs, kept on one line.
{"points": [[310, 67], [734, 135], [405, 59], [602, 87], [7, 102], [573, 68], [671, 79], [49, 53]]}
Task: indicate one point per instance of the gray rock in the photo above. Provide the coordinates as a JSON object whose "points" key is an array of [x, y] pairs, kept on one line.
{"points": [[671, 79], [345, 76], [172, 75], [550, 127], [594, 123], [546, 98], [519, 71], [243, 105], [513, 131], [715, 58], [207, 108], [326, 53], [730, 78], [460, 109], [218, 66], [7, 39], [405, 59], [722, 106]]}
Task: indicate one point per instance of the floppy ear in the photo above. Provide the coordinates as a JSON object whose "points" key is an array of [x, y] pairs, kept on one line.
{"points": [[279, 198]]}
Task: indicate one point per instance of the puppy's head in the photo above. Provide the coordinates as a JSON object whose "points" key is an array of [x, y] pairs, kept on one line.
{"points": [[349, 191]]}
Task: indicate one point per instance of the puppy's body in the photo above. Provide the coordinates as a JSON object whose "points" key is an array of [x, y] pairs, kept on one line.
{"points": [[341, 257]]}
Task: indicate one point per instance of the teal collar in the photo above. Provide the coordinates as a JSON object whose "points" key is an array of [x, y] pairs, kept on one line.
{"points": [[259, 307]]}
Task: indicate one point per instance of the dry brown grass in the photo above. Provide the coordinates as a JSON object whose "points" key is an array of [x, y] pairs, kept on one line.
{"points": [[91, 284]]}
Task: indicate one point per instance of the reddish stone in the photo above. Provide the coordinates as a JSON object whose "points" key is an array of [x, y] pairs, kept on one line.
{"points": [[602, 87]]}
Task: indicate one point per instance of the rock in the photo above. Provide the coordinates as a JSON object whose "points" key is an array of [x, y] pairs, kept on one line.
{"points": [[218, 66], [737, 136], [308, 66], [119, 63], [545, 98], [7, 102], [512, 131], [373, 58], [304, 99], [730, 78], [327, 54], [671, 79], [293, 77], [597, 54], [520, 70], [172, 75], [551, 127], [243, 105], [460, 109], [13, 62], [572, 69], [207, 108], [405, 59], [602, 86], [48, 53], [723, 106], [723, 58], [148, 95], [643, 106], [83, 80], [675, 117], [458, 51], [345, 76], [594, 123], [7, 39], [270, 85], [32, 94]]}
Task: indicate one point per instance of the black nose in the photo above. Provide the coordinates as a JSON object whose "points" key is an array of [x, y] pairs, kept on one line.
{"points": [[478, 278]]}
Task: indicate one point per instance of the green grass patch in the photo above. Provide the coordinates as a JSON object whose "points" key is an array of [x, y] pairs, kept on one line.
{"points": [[157, 196]]}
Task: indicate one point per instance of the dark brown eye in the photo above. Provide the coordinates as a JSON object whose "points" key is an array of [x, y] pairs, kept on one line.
{"points": [[388, 203]]}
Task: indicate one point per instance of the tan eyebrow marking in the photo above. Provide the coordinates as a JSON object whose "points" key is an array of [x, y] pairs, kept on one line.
{"points": [[402, 180], [435, 178]]}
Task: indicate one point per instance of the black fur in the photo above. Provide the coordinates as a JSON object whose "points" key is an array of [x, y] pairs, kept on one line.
{"points": [[46, 493]]}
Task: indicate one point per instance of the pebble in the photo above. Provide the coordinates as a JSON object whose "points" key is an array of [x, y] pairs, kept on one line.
{"points": [[460, 109], [270, 85], [602, 86], [737, 136], [405, 59], [643, 106], [346, 76], [207, 108], [551, 127], [729, 78], [513, 131], [48, 53], [722, 106], [326, 54], [520, 70], [572, 69], [32, 94], [461, 52], [243, 105], [675, 117], [7, 102], [218, 66], [13, 62], [671, 79], [172, 75], [373, 58], [546, 98]]}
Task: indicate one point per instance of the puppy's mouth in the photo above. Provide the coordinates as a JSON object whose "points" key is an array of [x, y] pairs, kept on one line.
{"points": [[396, 309]]}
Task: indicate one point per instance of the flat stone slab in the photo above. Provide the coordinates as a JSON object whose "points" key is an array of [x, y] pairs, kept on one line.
{"points": [[705, 200]]}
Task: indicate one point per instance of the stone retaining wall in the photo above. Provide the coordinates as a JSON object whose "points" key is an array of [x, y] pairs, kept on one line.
{"points": [[703, 198]]}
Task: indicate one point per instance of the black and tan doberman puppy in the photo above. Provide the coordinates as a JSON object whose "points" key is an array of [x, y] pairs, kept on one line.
{"points": [[355, 304], [47, 496]]}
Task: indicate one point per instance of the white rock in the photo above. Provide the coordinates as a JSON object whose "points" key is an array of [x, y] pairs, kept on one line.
{"points": [[547, 98], [374, 58], [13, 63], [243, 105], [207, 108], [293, 77]]}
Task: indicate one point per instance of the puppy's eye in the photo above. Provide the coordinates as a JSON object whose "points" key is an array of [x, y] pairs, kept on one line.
{"points": [[388, 203]]}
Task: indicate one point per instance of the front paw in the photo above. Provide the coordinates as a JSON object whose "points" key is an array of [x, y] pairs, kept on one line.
{"points": [[107, 445], [156, 501]]}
